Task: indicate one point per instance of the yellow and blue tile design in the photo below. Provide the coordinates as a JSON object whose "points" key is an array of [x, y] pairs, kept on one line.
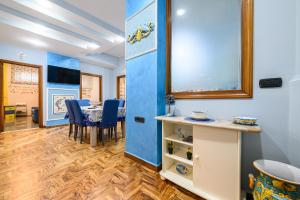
{"points": [[267, 188]]}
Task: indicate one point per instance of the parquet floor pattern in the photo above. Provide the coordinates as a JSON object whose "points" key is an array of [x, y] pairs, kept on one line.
{"points": [[46, 164]]}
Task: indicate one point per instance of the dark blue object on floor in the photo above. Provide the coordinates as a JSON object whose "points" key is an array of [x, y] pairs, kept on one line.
{"points": [[35, 114]]}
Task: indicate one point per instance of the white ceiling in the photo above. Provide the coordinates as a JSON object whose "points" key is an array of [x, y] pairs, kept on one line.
{"points": [[70, 27]]}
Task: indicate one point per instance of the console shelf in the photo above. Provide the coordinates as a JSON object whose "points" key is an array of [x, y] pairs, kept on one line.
{"points": [[180, 156], [215, 171], [175, 138]]}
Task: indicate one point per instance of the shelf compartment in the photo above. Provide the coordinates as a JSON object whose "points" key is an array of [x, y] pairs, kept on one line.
{"points": [[175, 138], [172, 172], [180, 156], [185, 181]]}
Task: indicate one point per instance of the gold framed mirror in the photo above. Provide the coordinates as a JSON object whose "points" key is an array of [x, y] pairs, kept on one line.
{"points": [[210, 49]]}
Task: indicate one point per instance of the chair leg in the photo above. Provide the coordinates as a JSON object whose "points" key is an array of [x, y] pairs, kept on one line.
{"points": [[110, 131], [70, 130], [76, 131], [81, 132], [102, 136], [85, 132], [122, 128], [116, 133]]}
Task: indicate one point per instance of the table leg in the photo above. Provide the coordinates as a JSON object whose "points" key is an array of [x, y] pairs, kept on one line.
{"points": [[93, 137]]}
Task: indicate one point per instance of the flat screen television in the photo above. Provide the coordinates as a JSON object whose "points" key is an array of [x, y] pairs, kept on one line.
{"points": [[63, 75]]}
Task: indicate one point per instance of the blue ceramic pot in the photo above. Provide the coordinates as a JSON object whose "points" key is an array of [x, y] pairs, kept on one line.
{"points": [[277, 181]]}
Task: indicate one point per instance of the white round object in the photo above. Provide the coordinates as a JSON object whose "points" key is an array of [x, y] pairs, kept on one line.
{"points": [[198, 115]]}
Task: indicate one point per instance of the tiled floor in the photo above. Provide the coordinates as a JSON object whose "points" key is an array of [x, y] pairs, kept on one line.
{"points": [[47, 164], [20, 123]]}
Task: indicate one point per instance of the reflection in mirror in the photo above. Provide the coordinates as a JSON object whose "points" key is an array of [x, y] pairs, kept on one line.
{"points": [[206, 45]]}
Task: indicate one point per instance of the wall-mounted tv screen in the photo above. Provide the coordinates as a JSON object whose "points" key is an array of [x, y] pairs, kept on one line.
{"points": [[63, 75]]}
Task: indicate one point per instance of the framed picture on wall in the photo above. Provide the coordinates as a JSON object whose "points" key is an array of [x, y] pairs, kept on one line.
{"points": [[141, 32], [59, 105]]}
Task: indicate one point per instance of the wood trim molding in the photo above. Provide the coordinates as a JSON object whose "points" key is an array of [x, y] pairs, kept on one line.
{"points": [[118, 85], [247, 60], [100, 86], [138, 160], [41, 108], [1, 99]]}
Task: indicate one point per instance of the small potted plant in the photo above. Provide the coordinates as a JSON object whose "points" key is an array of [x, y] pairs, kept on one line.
{"points": [[189, 154], [170, 147]]}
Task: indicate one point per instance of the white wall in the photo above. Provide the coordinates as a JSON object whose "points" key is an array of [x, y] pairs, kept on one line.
{"points": [[298, 37], [120, 70], [274, 56], [294, 100], [32, 56], [107, 80]]}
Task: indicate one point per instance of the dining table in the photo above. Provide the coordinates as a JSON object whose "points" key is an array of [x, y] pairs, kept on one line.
{"points": [[94, 115]]}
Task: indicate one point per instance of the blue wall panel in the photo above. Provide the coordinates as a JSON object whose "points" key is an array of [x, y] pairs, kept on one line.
{"points": [[161, 68], [145, 90], [66, 62], [141, 101]]}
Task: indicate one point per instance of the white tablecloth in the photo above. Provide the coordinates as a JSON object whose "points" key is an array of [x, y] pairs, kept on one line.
{"points": [[95, 114]]}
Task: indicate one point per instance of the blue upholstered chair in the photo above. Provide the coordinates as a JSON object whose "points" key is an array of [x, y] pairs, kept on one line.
{"points": [[71, 117], [109, 118], [84, 102], [122, 118], [80, 118]]}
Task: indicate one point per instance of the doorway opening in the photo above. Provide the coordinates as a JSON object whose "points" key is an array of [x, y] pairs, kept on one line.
{"points": [[21, 102], [121, 87], [91, 88]]}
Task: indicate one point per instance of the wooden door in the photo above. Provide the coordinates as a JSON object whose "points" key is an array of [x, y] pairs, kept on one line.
{"points": [[40, 90], [121, 87], [91, 87], [217, 162]]}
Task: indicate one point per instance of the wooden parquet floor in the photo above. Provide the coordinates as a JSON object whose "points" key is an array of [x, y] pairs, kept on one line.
{"points": [[46, 164]]}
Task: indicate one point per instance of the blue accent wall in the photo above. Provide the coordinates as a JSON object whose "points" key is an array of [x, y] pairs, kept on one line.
{"points": [[66, 89], [145, 90]]}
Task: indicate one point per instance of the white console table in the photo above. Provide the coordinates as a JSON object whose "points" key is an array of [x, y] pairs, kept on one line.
{"points": [[215, 170]]}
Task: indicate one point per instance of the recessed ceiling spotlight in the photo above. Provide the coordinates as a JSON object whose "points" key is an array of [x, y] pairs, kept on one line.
{"points": [[180, 12], [44, 3], [120, 39], [92, 46], [39, 27], [36, 42]]}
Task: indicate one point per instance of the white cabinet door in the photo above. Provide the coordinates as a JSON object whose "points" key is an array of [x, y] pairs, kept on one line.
{"points": [[217, 162]]}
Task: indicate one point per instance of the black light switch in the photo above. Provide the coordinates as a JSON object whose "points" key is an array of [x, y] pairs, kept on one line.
{"points": [[270, 83], [139, 119]]}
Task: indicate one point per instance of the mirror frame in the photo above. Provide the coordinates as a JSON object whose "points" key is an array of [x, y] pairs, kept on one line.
{"points": [[246, 64]]}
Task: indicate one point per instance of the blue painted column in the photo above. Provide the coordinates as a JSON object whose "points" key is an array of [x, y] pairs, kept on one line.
{"points": [[145, 91]]}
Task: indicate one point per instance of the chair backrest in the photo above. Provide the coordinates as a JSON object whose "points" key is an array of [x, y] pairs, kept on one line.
{"points": [[70, 111], [84, 102], [110, 113], [78, 114], [121, 103]]}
